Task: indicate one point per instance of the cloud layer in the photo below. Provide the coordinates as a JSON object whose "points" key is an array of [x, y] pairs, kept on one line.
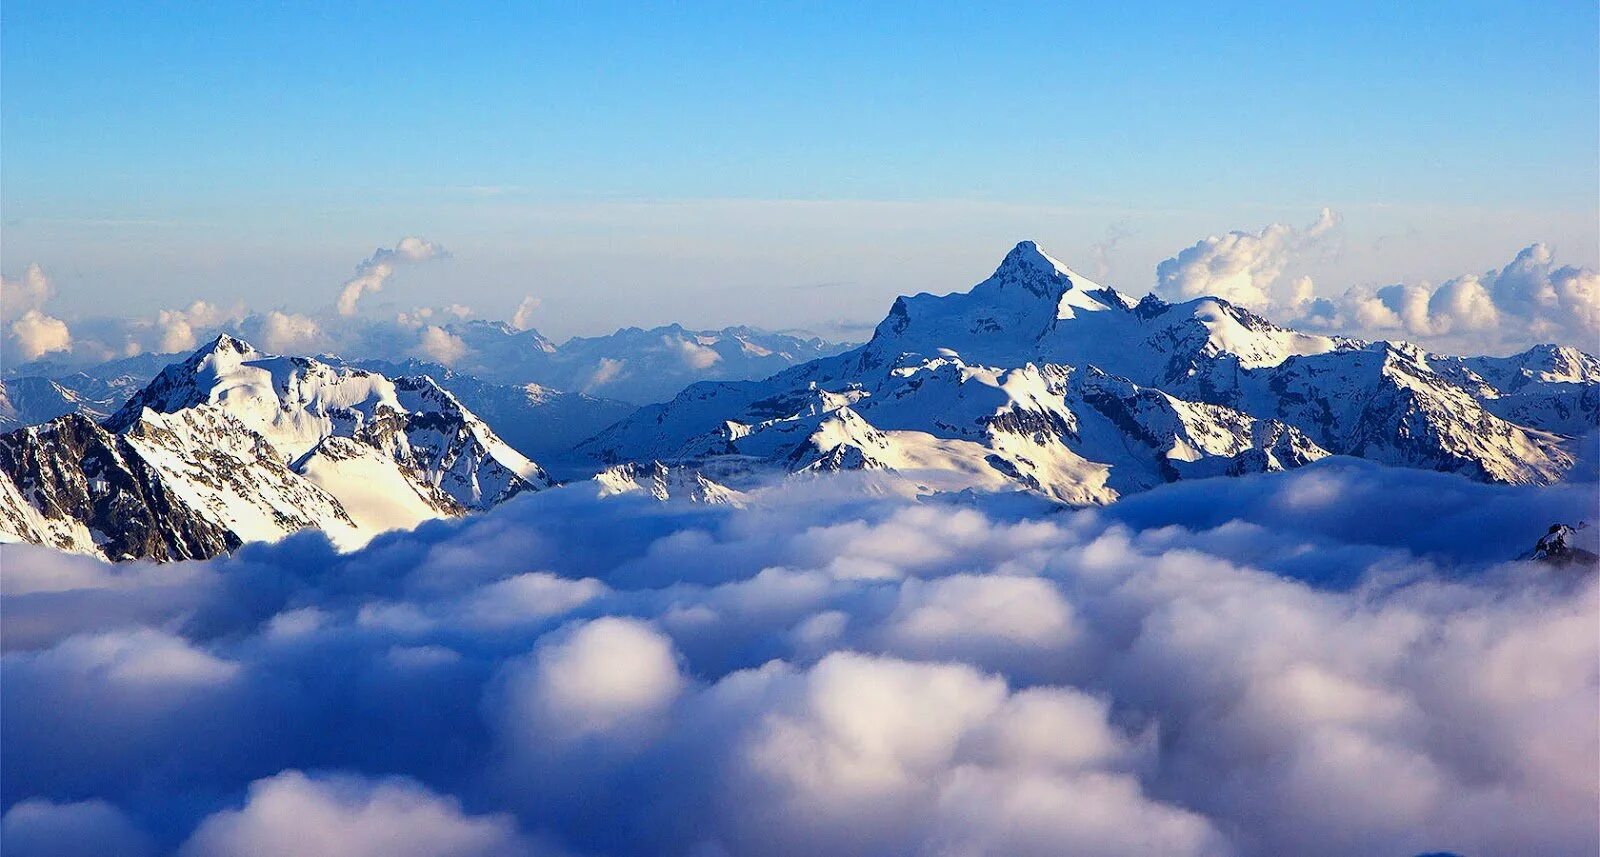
{"points": [[1328, 661], [1529, 300]]}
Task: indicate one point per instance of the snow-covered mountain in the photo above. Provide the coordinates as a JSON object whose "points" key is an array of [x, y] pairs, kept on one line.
{"points": [[1040, 379], [1566, 545], [630, 365], [661, 482], [539, 422], [585, 383], [234, 445], [34, 399], [1035, 380]]}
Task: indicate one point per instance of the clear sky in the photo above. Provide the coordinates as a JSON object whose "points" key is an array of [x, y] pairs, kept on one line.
{"points": [[781, 164]]}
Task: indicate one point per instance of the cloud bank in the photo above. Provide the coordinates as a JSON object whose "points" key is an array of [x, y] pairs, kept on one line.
{"points": [[1329, 661], [1530, 300], [30, 334]]}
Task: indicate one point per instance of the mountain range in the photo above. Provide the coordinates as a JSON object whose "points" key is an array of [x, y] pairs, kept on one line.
{"points": [[1036, 380], [1040, 378], [633, 366]]}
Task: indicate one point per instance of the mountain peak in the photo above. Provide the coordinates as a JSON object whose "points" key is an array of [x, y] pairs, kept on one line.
{"points": [[224, 344], [1029, 270], [1028, 258]]}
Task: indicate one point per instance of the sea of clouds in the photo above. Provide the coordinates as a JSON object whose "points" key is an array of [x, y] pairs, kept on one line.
{"points": [[1336, 660]]}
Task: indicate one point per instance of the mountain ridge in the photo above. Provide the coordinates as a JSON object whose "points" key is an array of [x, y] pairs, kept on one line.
{"points": [[1035, 380]]}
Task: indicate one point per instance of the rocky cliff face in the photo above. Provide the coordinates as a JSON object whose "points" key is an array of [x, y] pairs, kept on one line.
{"points": [[1566, 545]]}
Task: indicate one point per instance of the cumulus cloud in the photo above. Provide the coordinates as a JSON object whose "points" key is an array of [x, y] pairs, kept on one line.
{"points": [[1528, 301], [284, 333], [32, 333], [36, 334], [941, 756], [967, 613], [32, 291], [376, 269], [90, 828], [168, 331], [177, 327], [143, 657], [439, 345], [1247, 268], [611, 677], [345, 816], [1328, 661]]}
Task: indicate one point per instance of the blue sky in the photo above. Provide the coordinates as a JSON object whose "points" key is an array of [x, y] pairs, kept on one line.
{"points": [[773, 163]]}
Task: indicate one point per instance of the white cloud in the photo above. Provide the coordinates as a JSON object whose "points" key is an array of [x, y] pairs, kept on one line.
{"points": [[1528, 301], [1030, 812], [1257, 666], [527, 597], [143, 657], [439, 345], [951, 614], [522, 318], [1531, 300], [943, 759], [31, 292], [1246, 268], [608, 371], [36, 334], [33, 333], [611, 677], [693, 354], [373, 272], [177, 327], [284, 333], [345, 816], [91, 828]]}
